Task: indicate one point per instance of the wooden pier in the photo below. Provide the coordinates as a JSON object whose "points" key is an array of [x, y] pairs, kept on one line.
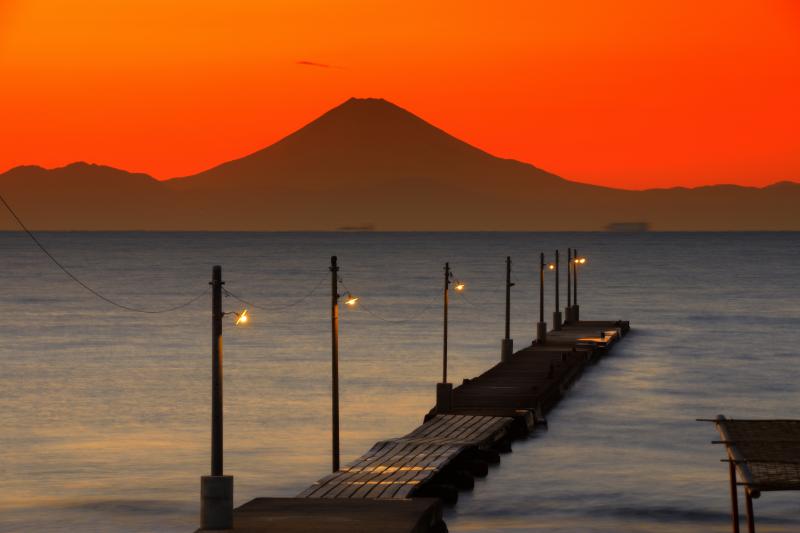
{"points": [[399, 484]]}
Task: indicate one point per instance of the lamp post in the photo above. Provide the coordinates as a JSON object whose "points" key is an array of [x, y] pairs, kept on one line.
{"points": [[575, 308], [557, 312], [568, 308], [444, 390], [334, 268], [541, 326], [507, 345], [575, 262], [216, 490], [349, 301]]}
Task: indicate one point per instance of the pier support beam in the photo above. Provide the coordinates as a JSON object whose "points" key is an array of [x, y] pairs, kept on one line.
{"points": [[444, 397], [541, 332], [216, 498], [734, 496], [506, 349], [557, 322], [748, 509]]}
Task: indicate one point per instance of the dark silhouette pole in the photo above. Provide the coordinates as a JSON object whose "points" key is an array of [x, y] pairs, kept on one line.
{"points": [[507, 346], [541, 326], [568, 309], [575, 309], [334, 364], [734, 497], [446, 301], [444, 390], [216, 490], [216, 371], [557, 312]]}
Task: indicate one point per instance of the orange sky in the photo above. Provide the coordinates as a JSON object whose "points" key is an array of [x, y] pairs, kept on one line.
{"points": [[626, 93]]}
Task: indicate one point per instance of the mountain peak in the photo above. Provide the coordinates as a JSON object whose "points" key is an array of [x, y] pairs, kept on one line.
{"points": [[356, 101], [368, 110]]}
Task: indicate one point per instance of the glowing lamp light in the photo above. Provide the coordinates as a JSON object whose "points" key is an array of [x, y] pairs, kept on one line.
{"points": [[241, 318], [350, 300], [580, 260], [551, 266], [459, 286]]}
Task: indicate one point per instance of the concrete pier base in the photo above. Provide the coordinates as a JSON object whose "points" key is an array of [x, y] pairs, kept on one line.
{"points": [[557, 320], [576, 313], [541, 332], [444, 397], [506, 349], [216, 502]]}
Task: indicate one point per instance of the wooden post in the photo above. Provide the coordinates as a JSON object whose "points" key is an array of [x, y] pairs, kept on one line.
{"points": [[216, 490], [568, 310], [508, 297], [575, 309], [334, 268], [575, 278], [751, 522], [734, 496], [507, 344], [444, 390], [557, 312], [541, 326], [444, 339], [541, 287], [216, 370]]}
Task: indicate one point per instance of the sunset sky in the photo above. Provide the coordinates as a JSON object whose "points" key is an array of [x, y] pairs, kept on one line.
{"points": [[625, 93]]}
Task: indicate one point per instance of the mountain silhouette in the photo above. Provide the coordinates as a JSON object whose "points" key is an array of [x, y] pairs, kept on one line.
{"points": [[368, 162]]}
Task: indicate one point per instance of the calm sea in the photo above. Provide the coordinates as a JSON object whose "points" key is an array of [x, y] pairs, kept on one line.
{"points": [[104, 414]]}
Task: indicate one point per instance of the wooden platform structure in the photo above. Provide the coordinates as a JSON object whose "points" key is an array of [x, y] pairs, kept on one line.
{"points": [[766, 456], [398, 485], [321, 515], [396, 468], [532, 381]]}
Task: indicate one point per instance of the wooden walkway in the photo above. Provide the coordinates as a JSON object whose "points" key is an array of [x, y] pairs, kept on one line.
{"points": [[396, 468], [388, 489]]}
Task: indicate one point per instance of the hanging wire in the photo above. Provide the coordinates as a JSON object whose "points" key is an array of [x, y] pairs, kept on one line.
{"points": [[86, 286], [275, 307], [461, 294], [409, 318]]}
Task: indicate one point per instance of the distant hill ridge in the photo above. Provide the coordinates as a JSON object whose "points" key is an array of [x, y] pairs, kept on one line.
{"points": [[370, 162]]}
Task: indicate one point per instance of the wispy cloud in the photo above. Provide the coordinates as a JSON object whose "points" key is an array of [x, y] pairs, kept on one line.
{"points": [[313, 64], [316, 64]]}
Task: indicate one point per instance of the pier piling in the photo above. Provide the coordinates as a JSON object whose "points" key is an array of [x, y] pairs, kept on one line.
{"points": [[507, 345], [216, 490]]}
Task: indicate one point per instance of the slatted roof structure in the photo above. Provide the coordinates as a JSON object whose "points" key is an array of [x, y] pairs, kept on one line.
{"points": [[396, 468], [764, 454]]}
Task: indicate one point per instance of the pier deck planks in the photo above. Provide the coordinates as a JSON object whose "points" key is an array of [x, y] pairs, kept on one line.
{"points": [[395, 468], [535, 378]]}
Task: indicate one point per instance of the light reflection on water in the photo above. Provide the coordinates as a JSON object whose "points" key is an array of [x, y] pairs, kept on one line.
{"points": [[105, 414]]}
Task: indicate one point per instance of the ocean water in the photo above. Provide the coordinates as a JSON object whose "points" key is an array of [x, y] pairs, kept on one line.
{"points": [[104, 413]]}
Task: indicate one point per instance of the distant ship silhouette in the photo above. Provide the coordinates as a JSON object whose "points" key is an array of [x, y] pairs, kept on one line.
{"points": [[372, 159], [358, 227]]}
